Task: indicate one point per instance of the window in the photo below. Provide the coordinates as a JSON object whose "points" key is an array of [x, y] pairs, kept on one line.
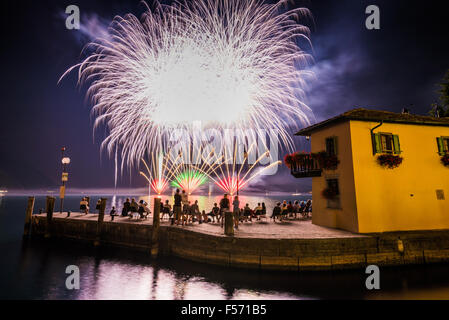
{"points": [[443, 145], [386, 143], [331, 146], [332, 184]]}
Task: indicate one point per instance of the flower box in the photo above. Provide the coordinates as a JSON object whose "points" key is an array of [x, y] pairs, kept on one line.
{"points": [[306, 159], [389, 161]]}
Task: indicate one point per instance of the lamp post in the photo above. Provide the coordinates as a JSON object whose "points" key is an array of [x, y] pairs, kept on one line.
{"points": [[65, 177]]}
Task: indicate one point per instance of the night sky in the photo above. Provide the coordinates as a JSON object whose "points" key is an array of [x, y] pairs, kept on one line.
{"points": [[388, 69]]}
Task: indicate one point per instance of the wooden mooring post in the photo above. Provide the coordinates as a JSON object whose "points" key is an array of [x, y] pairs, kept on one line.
{"points": [[28, 217], [100, 221], [156, 225], [229, 224], [49, 207]]}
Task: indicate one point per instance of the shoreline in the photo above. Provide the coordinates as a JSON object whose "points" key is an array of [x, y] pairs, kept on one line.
{"points": [[133, 192]]}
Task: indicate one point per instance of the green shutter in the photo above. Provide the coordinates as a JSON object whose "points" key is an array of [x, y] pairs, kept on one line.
{"points": [[440, 146], [335, 145], [376, 143], [396, 145]]}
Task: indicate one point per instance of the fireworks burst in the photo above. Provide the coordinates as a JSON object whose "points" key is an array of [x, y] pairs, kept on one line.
{"points": [[157, 175], [229, 64], [187, 170], [227, 175], [189, 180], [178, 168]]}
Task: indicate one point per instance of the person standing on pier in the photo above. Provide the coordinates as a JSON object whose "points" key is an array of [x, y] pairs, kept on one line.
{"points": [[296, 208], [98, 206], [236, 211], [184, 197], [177, 207], [224, 207], [126, 208], [186, 213]]}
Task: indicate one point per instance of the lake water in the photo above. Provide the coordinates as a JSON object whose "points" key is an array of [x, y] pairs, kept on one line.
{"points": [[36, 270]]}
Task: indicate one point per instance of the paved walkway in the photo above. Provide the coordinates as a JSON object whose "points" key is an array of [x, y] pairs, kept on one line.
{"points": [[266, 229]]}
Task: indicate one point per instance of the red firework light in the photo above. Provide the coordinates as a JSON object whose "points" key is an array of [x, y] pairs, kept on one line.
{"points": [[231, 185], [159, 185]]}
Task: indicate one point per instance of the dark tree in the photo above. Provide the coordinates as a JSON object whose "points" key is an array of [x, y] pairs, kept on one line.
{"points": [[441, 109]]}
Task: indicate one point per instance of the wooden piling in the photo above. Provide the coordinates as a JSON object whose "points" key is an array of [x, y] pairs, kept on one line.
{"points": [[100, 221], [229, 224], [28, 216], [156, 224], [49, 207]]}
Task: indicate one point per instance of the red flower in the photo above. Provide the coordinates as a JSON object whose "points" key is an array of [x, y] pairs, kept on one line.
{"points": [[307, 160], [288, 160], [389, 161], [301, 158]]}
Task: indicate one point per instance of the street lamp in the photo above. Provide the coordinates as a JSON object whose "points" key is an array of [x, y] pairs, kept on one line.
{"points": [[65, 177]]}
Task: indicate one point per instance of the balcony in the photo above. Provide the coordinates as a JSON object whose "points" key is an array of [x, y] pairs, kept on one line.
{"points": [[309, 165], [306, 167]]}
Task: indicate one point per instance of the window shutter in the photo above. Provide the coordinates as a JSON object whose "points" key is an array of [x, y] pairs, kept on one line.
{"points": [[335, 145], [376, 143], [396, 145], [440, 146]]}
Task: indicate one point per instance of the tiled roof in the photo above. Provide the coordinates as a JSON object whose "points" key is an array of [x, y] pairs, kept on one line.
{"points": [[376, 116]]}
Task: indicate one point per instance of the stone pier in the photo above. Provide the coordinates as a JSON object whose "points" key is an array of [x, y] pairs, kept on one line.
{"points": [[295, 245]]}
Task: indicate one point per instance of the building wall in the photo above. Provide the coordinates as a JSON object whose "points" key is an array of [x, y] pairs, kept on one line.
{"points": [[403, 198], [346, 217]]}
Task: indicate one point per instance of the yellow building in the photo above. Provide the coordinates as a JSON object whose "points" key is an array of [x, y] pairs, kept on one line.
{"points": [[362, 195]]}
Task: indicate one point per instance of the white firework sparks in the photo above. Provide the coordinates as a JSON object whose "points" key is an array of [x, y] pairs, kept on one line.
{"points": [[225, 63]]}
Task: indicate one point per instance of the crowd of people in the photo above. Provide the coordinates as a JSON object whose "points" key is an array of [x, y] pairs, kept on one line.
{"points": [[184, 211], [130, 209]]}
